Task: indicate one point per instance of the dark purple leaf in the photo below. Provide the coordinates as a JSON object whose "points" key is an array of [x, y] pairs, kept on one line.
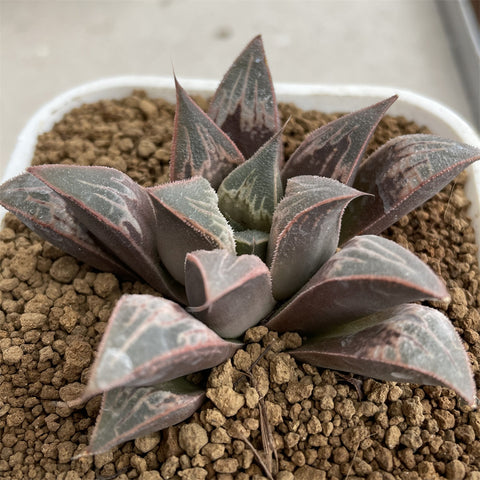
{"points": [[244, 105], [305, 230], [409, 343], [118, 213], [403, 174], [368, 275], [199, 146], [188, 214], [48, 214], [228, 293], [335, 150], [132, 412], [150, 340], [250, 194]]}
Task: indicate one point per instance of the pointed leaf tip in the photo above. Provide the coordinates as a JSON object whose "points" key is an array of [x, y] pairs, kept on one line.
{"points": [[250, 194], [199, 146], [401, 175], [335, 150], [244, 105]]}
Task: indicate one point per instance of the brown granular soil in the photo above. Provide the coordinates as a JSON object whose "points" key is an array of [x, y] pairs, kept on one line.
{"points": [[323, 425]]}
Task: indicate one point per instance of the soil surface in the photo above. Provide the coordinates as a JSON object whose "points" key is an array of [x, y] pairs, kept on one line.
{"points": [[321, 424]]}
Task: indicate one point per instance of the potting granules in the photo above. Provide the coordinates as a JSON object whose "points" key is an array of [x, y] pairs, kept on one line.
{"points": [[315, 424]]}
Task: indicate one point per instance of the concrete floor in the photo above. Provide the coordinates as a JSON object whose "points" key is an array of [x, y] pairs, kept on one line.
{"points": [[48, 46]]}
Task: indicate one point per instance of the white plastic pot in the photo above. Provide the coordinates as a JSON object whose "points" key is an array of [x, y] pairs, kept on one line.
{"points": [[326, 98]]}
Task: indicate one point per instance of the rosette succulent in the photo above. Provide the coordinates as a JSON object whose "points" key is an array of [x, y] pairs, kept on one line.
{"points": [[239, 237]]}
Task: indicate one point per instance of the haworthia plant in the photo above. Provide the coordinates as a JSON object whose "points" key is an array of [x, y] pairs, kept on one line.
{"points": [[240, 238]]}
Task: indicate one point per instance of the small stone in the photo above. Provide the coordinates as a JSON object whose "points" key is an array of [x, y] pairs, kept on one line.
{"points": [[274, 413], [445, 419], [146, 148], [455, 470], [426, 470], [285, 475], [280, 370], [65, 269], [214, 417], [384, 458], [195, 473], [291, 340], [149, 475], [309, 473], [13, 355], [345, 408], [45, 354], [23, 265], [105, 284], [220, 435], [30, 321], [213, 451], [102, 459], [71, 392], [138, 463], [251, 397], [242, 361], [298, 391], [411, 438], [412, 409], [15, 417], [392, 437], [378, 392], [222, 375], [465, 433], [148, 108], [192, 437], [314, 426], [147, 443], [226, 399], [226, 465], [169, 467], [78, 354], [69, 319], [255, 334]]}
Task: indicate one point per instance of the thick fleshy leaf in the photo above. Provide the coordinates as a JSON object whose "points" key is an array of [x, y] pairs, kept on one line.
{"points": [[250, 194], [228, 293], [199, 146], [335, 150], [132, 412], [403, 174], [189, 219], [409, 343], [118, 213], [305, 230], [252, 242], [368, 275], [48, 214], [244, 105], [150, 340]]}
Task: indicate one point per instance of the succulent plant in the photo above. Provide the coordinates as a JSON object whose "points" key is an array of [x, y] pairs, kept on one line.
{"points": [[239, 238]]}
